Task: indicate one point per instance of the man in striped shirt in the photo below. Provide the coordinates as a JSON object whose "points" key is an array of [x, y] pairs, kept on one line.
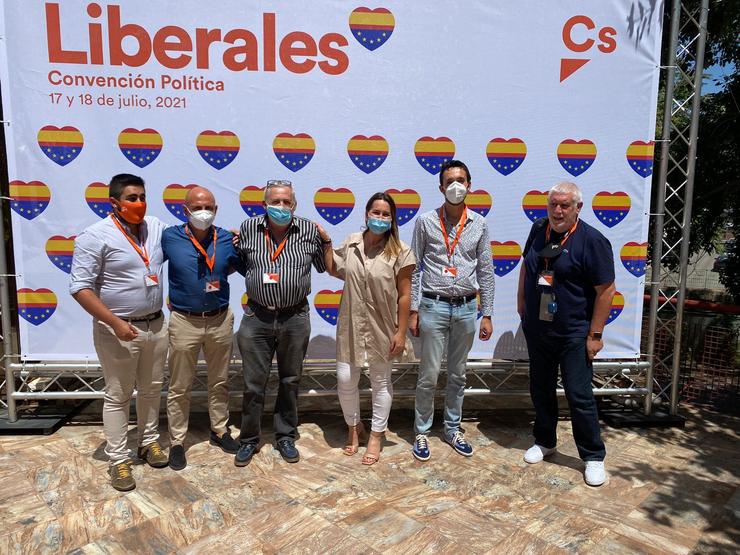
{"points": [[453, 256], [278, 249]]}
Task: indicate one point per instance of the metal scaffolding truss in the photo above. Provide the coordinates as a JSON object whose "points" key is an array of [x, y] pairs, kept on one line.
{"points": [[674, 195]]}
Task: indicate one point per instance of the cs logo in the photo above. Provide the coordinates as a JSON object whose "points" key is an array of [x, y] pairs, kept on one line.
{"points": [[581, 34]]}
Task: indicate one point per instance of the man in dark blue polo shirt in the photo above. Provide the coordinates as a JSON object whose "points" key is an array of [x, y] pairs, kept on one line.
{"points": [[566, 286], [201, 257]]}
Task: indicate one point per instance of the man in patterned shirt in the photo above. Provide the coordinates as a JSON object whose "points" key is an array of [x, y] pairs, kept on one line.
{"points": [[453, 256]]}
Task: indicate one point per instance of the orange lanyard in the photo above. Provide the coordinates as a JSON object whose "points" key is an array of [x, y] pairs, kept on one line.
{"points": [[210, 262], [463, 219], [281, 246], [141, 251], [562, 241]]}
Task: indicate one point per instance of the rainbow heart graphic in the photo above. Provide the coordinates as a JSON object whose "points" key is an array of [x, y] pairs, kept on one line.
{"points": [[140, 147], [640, 157], [371, 28], [611, 208], [59, 249], [506, 155], [29, 199], [432, 153], [505, 256], [217, 148], [98, 198], [61, 145], [534, 205], [367, 153], [36, 305], [327, 302], [479, 201], [634, 258], [294, 151], [251, 199], [616, 308], [407, 204], [174, 199], [334, 205], [245, 299], [576, 156]]}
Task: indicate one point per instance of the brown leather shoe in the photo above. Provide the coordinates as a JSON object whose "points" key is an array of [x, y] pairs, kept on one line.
{"points": [[153, 455], [121, 477]]}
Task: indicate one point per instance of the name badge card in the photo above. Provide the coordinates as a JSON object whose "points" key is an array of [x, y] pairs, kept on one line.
{"points": [[213, 286], [151, 280], [449, 271], [270, 278], [546, 278]]}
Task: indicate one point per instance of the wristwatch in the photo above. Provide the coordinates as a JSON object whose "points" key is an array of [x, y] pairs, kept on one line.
{"points": [[328, 242], [595, 335]]}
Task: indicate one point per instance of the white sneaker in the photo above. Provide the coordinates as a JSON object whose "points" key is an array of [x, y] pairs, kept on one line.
{"points": [[536, 453], [595, 473]]}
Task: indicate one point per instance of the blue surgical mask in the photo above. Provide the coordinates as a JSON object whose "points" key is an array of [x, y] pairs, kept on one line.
{"points": [[378, 227], [279, 215]]}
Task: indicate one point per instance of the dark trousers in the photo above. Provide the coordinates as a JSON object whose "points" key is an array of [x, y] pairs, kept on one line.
{"points": [[263, 334], [545, 355]]}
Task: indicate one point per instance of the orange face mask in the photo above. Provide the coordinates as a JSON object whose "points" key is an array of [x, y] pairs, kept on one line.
{"points": [[132, 212]]}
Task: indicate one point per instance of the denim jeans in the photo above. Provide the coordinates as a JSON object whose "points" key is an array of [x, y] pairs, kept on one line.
{"points": [[546, 353], [263, 334], [440, 321]]}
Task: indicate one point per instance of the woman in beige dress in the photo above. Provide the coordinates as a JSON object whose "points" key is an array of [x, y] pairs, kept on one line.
{"points": [[376, 267]]}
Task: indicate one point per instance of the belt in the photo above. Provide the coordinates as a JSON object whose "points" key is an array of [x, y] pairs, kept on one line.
{"points": [[274, 310], [204, 314], [455, 301], [145, 318]]}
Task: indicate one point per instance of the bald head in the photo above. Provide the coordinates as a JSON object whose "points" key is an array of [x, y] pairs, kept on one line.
{"points": [[200, 198]]}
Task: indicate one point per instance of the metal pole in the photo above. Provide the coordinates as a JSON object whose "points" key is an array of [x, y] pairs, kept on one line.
{"points": [[8, 349], [688, 202], [659, 216]]}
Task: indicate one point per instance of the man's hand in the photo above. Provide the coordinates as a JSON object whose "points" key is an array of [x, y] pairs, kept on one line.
{"points": [[593, 346], [414, 323], [322, 233], [124, 331], [234, 237], [486, 328], [398, 342]]}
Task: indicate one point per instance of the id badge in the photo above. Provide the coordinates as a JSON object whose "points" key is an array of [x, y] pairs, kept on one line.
{"points": [[213, 286], [545, 278], [548, 307], [151, 280], [270, 278], [449, 271]]}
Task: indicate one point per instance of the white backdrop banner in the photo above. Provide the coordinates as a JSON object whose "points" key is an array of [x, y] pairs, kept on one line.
{"points": [[342, 99]]}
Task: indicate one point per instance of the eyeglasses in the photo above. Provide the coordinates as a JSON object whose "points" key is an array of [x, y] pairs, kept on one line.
{"points": [[279, 183]]}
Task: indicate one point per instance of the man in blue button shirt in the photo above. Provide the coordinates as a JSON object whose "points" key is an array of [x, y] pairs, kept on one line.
{"points": [[201, 257]]}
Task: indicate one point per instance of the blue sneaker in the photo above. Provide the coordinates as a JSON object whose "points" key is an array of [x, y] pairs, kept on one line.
{"points": [[421, 448], [459, 444]]}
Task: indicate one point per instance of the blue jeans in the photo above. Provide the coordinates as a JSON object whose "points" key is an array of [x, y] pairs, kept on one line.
{"points": [[440, 321], [546, 354]]}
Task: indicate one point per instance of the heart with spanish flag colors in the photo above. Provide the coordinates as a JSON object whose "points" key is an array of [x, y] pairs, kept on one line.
{"points": [[505, 256], [326, 303], [98, 198], [505, 156], [334, 205], [244, 301], [294, 151], [174, 199], [371, 28], [634, 258], [251, 198], [59, 249], [367, 153], [61, 145], [140, 146], [431, 153], [479, 201], [219, 149], [407, 203], [611, 208], [29, 199], [640, 157], [534, 204], [576, 156], [616, 308], [36, 305]]}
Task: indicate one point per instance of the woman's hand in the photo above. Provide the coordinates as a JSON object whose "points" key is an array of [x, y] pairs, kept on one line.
{"points": [[398, 343]]}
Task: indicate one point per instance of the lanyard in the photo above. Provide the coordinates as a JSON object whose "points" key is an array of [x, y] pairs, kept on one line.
{"points": [[141, 251], [461, 225], [210, 262], [281, 246], [562, 241]]}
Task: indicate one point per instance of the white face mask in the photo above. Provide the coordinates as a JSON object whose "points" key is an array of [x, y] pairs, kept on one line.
{"points": [[456, 192], [201, 219]]}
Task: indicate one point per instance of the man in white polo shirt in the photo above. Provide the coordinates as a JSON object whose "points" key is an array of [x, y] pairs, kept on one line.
{"points": [[117, 277]]}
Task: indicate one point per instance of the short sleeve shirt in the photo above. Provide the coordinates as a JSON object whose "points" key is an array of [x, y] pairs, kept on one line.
{"points": [[368, 312], [586, 261]]}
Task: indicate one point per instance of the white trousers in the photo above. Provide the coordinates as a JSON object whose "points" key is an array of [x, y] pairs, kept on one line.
{"points": [[348, 378]]}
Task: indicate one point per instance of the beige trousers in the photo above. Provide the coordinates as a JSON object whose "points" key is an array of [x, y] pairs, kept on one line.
{"points": [[127, 364], [188, 335]]}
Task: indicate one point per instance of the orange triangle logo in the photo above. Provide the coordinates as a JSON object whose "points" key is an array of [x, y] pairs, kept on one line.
{"points": [[568, 66]]}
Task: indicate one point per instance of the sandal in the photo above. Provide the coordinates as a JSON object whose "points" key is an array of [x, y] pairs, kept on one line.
{"points": [[370, 458], [358, 431]]}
